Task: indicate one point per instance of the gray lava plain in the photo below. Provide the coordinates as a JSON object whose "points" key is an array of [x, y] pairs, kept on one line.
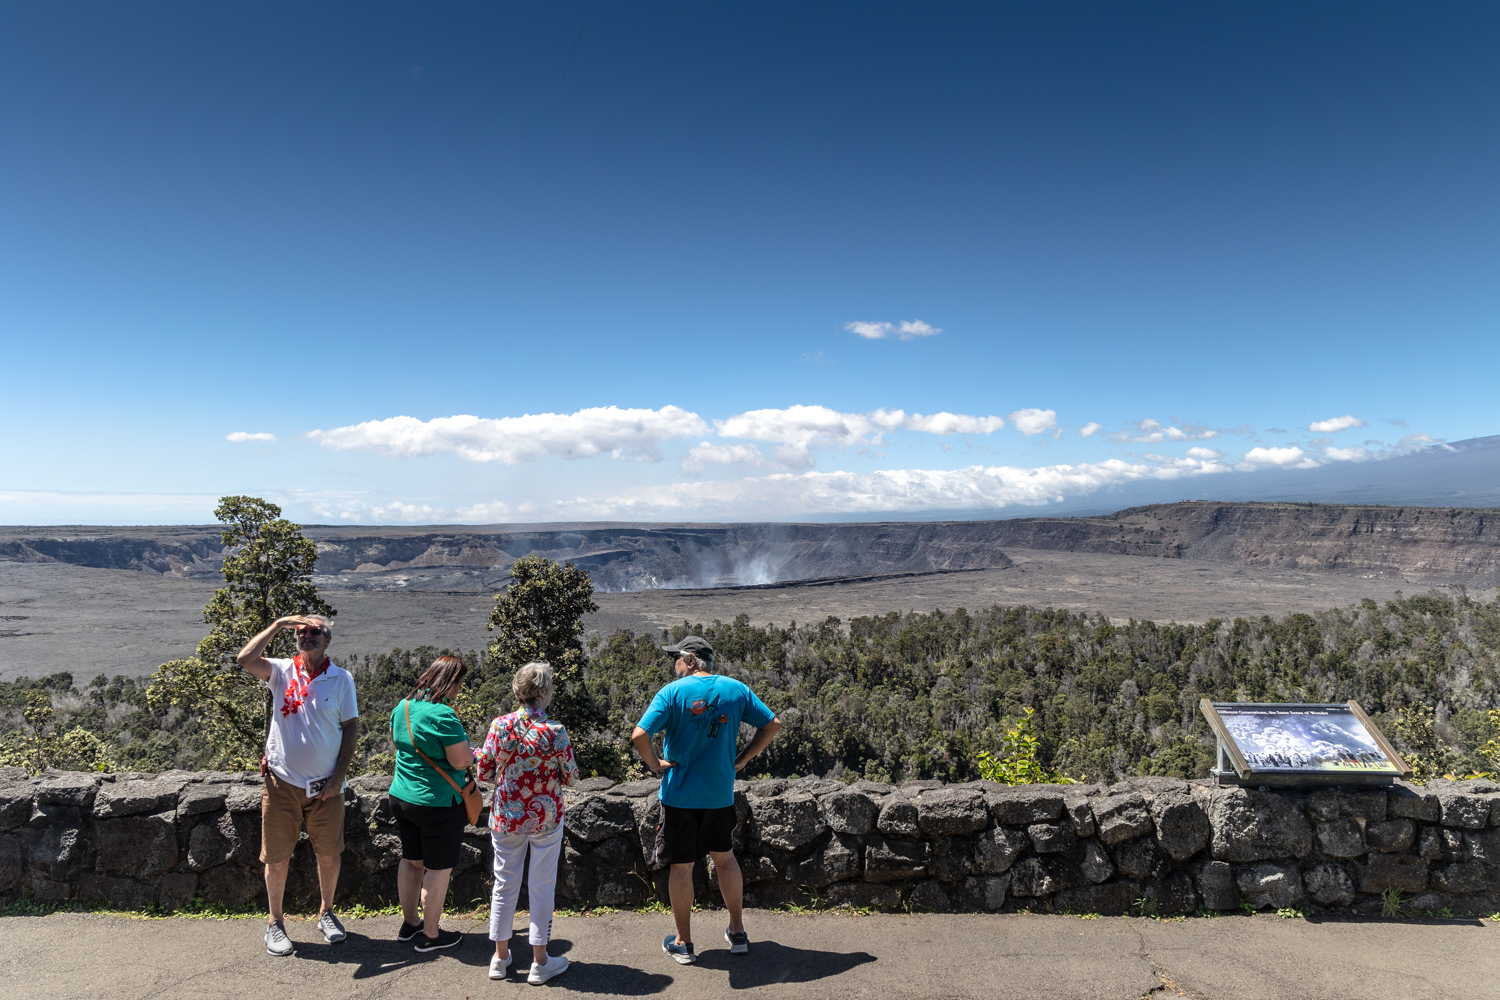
{"points": [[57, 616]]}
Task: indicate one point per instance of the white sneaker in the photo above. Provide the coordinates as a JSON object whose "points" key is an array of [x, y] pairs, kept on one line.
{"points": [[498, 969], [556, 966]]}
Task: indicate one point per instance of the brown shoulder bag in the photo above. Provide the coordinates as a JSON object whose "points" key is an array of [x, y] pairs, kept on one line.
{"points": [[473, 801]]}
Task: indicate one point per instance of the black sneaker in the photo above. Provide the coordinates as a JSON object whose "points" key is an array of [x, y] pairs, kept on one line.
{"points": [[408, 931], [445, 939]]}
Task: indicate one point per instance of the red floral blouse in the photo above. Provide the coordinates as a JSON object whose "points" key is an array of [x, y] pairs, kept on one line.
{"points": [[530, 759]]}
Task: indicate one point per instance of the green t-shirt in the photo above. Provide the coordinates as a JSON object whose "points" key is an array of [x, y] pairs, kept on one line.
{"points": [[435, 726]]}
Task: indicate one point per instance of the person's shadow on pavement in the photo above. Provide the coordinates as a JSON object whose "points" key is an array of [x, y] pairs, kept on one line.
{"points": [[769, 963]]}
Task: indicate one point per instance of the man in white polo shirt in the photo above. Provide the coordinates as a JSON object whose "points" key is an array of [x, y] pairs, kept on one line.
{"points": [[314, 726]]}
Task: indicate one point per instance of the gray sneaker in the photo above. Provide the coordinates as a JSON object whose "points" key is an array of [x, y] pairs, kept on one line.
{"points": [[277, 943], [333, 931]]}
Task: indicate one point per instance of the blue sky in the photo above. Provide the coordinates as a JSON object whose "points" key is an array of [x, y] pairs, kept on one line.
{"points": [[661, 255]]}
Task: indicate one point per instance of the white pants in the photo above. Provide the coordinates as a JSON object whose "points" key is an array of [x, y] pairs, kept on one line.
{"points": [[541, 889]]}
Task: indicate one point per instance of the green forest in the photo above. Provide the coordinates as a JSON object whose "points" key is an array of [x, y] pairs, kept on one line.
{"points": [[903, 696]]}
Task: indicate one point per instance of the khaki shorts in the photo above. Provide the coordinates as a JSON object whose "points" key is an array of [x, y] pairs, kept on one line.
{"points": [[284, 807]]}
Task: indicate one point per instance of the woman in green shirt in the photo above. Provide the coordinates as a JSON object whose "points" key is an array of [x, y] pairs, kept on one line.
{"points": [[429, 812]]}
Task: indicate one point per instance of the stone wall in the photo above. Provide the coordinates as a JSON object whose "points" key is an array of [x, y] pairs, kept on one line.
{"points": [[165, 840]]}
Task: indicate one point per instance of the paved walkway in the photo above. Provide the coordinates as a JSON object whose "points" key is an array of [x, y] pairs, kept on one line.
{"points": [[824, 956]]}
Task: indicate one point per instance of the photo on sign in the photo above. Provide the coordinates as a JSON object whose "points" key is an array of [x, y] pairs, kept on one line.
{"points": [[1303, 738]]}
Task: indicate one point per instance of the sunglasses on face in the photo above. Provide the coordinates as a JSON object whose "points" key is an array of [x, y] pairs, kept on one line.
{"points": [[309, 633]]}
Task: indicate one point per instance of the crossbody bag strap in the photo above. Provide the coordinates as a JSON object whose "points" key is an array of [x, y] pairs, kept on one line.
{"points": [[406, 705]]}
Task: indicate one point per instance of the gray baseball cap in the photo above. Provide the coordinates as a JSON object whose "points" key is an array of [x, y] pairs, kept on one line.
{"points": [[695, 644]]}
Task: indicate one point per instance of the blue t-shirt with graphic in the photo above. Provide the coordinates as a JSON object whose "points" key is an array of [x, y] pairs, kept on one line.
{"points": [[701, 717]]}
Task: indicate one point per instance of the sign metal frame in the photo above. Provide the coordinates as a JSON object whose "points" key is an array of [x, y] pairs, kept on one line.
{"points": [[1235, 769]]}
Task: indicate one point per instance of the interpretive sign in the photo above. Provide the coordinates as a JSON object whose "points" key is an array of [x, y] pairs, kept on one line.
{"points": [[1300, 744]]}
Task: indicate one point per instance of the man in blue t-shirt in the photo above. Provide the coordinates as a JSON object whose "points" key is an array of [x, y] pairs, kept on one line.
{"points": [[701, 713]]}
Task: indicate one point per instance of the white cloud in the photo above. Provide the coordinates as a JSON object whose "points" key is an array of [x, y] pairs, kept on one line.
{"points": [[1334, 424], [1355, 454], [1034, 421], [798, 429], [513, 440], [1150, 431], [1205, 454], [705, 454], [238, 436], [946, 423], [905, 330], [1090, 429], [1289, 457]]}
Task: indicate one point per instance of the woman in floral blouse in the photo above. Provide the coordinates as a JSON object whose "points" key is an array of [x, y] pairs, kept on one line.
{"points": [[530, 759]]}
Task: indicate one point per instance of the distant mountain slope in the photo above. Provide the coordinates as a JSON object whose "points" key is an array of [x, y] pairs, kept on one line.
{"points": [[1460, 474]]}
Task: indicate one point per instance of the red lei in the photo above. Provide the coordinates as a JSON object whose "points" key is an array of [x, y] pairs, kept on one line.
{"points": [[297, 685]]}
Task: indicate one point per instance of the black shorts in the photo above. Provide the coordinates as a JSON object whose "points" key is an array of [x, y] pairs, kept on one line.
{"points": [[685, 835], [430, 834]]}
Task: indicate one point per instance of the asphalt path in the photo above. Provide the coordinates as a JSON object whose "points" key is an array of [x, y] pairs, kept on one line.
{"points": [[825, 956]]}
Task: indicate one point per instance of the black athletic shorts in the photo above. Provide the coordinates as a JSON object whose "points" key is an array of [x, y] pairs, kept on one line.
{"points": [[430, 834], [685, 835]]}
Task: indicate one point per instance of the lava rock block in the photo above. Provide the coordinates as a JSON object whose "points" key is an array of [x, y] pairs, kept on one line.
{"points": [[243, 798], [1268, 885], [952, 858], [1468, 812], [788, 821], [997, 849], [599, 817], [15, 804], [850, 812], [1173, 894], [175, 890], [819, 787], [232, 885], [894, 860], [1052, 838], [864, 894], [1078, 810], [1044, 876], [197, 799], [1096, 865], [1327, 804], [1465, 877], [873, 787], [1393, 871], [929, 896], [121, 893], [756, 868], [1141, 858], [1412, 802], [137, 845], [1440, 844], [1341, 838], [136, 798], [767, 788], [1483, 846], [598, 784], [68, 789], [637, 789], [11, 868], [835, 861], [898, 818], [62, 847], [1392, 835], [986, 892], [1252, 826], [1121, 817], [944, 812], [1112, 899], [1181, 824], [1023, 805], [1217, 886], [1329, 884], [213, 842]]}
